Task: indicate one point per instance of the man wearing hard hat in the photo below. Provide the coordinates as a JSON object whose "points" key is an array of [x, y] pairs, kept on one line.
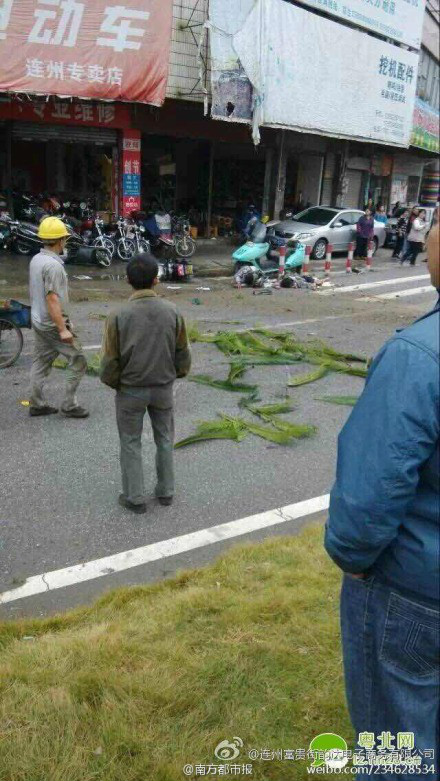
{"points": [[52, 331]]}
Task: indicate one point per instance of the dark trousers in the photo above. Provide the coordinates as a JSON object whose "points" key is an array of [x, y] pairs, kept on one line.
{"points": [[398, 247], [130, 413], [414, 247]]}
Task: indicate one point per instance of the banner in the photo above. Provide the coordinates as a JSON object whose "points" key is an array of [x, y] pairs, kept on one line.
{"points": [[90, 48], [401, 20], [426, 127], [312, 74]]}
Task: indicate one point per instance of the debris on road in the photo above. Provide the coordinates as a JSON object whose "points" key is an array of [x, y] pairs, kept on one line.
{"points": [[347, 400]]}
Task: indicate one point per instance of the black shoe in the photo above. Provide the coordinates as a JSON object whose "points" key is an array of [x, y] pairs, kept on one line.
{"points": [[76, 412], [46, 410], [139, 509], [165, 501]]}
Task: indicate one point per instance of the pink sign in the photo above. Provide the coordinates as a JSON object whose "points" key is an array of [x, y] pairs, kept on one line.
{"points": [[99, 49]]}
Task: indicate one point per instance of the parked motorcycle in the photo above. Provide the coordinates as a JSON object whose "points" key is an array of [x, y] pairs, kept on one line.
{"points": [[93, 234], [22, 238], [158, 233], [183, 241], [258, 258], [130, 239]]}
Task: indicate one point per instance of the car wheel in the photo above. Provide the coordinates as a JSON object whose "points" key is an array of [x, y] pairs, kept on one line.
{"points": [[320, 249], [376, 245]]}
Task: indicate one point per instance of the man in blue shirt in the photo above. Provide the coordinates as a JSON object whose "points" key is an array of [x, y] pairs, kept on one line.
{"points": [[383, 531]]}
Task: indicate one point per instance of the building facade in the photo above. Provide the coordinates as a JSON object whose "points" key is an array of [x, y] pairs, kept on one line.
{"points": [[196, 150]]}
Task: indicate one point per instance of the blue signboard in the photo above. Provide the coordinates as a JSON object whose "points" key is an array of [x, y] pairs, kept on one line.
{"points": [[131, 184]]}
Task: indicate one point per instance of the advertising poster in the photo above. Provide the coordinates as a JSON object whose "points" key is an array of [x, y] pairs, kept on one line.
{"points": [[368, 96]]}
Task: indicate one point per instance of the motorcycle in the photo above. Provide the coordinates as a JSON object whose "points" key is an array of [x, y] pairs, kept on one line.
{"points": [[258, 258], [23, 239], [130, 239], [183, 241], [94, 236], [158, 233]]}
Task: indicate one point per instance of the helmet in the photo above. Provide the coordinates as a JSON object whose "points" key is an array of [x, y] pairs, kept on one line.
{"points": [[51, 229]]}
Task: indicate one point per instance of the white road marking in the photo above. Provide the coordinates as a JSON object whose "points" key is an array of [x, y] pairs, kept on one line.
{"points": [[119, 562], [380, 283], [254, 327], [411, 291]]}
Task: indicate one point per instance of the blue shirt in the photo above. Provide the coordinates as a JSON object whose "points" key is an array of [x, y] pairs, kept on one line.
{"points": [[385, 505]]}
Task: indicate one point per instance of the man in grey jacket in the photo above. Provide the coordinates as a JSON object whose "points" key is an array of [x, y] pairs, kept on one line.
{"points": [[145, 348]]}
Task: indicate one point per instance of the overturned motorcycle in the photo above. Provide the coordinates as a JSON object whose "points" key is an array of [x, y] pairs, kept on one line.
{"points": [[259, 258], [175, 271]]}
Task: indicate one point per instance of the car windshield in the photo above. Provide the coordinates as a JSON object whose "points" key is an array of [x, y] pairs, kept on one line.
{"points": [[316, 216]]}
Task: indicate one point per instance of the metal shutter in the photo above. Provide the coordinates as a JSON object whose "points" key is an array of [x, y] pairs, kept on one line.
{"points": [[327, 181], [354, 179], [70, 134]]}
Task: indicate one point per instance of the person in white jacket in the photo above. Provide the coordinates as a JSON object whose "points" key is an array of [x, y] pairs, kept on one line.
{"points": [[416, 238]]}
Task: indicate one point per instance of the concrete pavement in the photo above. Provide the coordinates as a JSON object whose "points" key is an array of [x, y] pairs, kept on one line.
{"points": [[60, 478]]}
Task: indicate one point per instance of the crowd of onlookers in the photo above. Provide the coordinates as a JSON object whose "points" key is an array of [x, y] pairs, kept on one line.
{"points": [[411, 230]]}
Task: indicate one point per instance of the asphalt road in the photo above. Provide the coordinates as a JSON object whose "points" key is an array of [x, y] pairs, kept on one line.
{"points": [[60, 477]]}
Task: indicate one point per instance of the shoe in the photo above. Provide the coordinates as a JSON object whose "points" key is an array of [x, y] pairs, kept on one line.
{"points": [[139, 509], [45, 410], [76, 412], [165, 501]]}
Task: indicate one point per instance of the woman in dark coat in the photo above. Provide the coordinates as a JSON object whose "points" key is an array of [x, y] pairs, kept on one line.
{"points": [[364, 234]]}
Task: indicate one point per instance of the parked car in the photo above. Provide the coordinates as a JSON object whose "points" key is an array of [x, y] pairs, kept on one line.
{"points": [[390, 227], [319, 226]]}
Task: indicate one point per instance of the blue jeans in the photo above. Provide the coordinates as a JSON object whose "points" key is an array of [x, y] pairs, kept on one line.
{"points": [[391, 648]]}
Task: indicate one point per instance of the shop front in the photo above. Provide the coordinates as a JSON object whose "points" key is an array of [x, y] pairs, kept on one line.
{"points": [[71, 150], [209, 171]]}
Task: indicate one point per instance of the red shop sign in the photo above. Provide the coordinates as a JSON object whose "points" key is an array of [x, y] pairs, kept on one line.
{"points": [[66, 112], [86, 48]]}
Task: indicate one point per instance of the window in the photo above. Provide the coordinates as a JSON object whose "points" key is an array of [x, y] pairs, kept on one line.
{"points": [[316, 216], [351, 218], [428, 79]]}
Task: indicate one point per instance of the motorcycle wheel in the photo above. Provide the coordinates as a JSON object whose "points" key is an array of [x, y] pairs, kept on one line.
{"points": [[105, 244], [21, 248], [126, 249], [103, 257], [185, 246], [144, 246]]}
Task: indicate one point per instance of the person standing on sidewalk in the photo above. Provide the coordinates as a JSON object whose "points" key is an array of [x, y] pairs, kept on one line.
{"points": [[383, 531], [364, 234], [145, 349], [401, 226], [53, 333], [416, 238]]}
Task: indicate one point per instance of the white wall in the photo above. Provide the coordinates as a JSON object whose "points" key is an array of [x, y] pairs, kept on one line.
{"points": [[431, 33], [184, 81]]}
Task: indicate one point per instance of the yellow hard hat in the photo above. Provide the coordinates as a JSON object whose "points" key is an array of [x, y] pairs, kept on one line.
{"points": [[51, 229]]}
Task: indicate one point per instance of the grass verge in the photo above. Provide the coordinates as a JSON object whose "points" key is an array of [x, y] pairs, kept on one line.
{"points": [[152, 678]]}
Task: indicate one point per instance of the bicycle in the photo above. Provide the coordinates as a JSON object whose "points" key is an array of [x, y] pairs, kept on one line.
{"points": [[13, 317]]}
